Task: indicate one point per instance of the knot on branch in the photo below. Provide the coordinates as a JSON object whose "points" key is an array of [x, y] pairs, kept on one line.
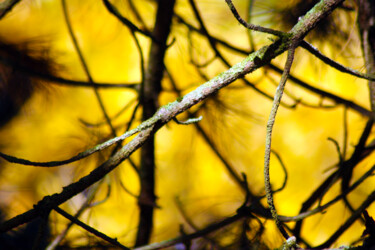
{"points": [[44, 206]]}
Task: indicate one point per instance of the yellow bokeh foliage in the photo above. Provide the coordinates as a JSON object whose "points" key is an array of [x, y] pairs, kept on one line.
{"points": [[59, 121]]}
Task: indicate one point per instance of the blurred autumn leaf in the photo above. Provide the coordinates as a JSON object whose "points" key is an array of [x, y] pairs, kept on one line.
{"points": [[57, 115]]}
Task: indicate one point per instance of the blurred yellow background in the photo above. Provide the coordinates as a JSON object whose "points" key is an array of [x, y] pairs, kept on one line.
{"points": [[59, 121]]}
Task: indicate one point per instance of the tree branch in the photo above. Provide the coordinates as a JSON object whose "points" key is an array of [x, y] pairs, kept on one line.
{"points": [[270, 123], [6, 6]]}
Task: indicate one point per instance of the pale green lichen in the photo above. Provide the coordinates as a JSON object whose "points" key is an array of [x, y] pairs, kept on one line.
{"points": [[180, 98], [316, 11]]}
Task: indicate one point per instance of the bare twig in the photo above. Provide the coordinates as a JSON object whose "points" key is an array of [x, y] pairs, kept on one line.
{"points": [[228, 166], [81, 155], [90, 196], [356, 214], [137, 15], [344, 173], [113, 10], [309, 47], [284, 169], [90, 229], [337, 99], [85, 67], [189, 221], [63, 81], [270, 123], [188, 121], [249, 17], [252, 26], [197, 234], [339, 197]]}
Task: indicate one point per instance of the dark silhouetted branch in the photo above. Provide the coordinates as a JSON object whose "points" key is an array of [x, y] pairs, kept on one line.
{"points": [[7, 6], [90, 229], [252, 26], [86, 68]]}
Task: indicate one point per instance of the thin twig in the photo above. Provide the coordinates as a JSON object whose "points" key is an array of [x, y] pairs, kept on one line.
{"points": [[359, 154], [310, 48], [90, 229], [270, 123], [218, 54], [250, 25], [137, 15], [356, 214], [231, 170], [209, 229], [337, 99], [85, 67], [284, 169], [63, 81], [249, 33], [88, 198], [339, 197], [114, 11], [338, 150], [80, 155], [215, 39], [190, 222]]}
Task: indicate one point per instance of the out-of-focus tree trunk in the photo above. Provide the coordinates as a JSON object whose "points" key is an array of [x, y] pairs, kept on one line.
{"points": [[366, 23], [149, 100]]}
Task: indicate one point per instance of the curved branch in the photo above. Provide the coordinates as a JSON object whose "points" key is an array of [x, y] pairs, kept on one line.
{"points": [[250, 25], [337, 99], [310, 48], [284, 169], [270, 123], [81, 155]]}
